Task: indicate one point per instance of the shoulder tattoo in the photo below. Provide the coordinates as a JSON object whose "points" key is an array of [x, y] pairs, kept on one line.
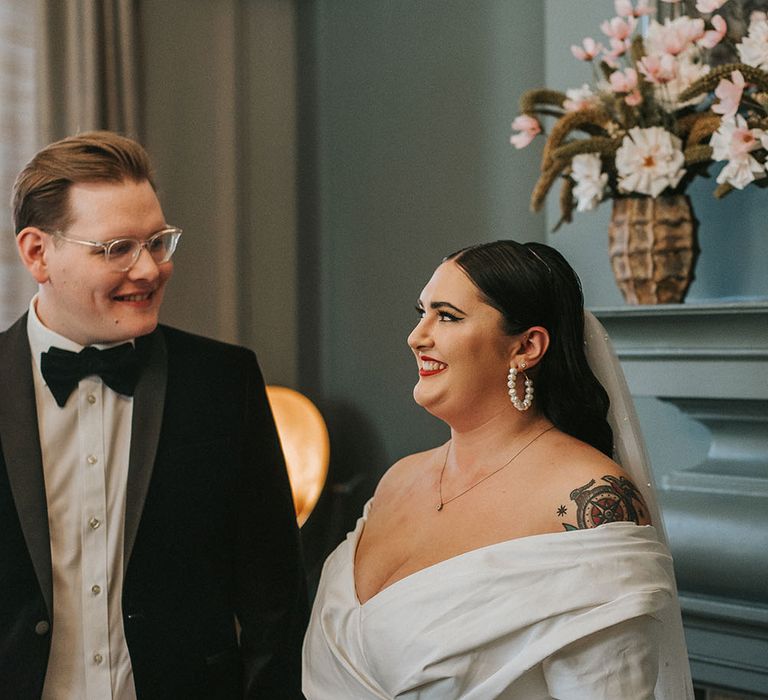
{"points": [[617, 500]]}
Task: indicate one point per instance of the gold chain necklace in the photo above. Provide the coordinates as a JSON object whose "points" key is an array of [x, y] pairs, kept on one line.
{"points": [[487, 476]]}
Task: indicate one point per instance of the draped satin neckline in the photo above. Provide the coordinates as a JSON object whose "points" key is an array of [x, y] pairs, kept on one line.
{"points": [[357, 534]]}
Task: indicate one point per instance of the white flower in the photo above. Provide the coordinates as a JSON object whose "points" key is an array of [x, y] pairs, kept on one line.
{"points": [[753, 49], [707, 6], [733, 142], [649, 160], [689, 69], [739, 172], [590, 181], [580, 98]]}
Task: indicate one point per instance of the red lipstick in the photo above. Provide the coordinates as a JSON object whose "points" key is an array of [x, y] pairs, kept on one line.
{"points": [[429, 372]]}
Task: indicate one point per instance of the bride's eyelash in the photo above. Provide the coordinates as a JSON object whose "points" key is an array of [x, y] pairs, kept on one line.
{"points": [[445, 316]]}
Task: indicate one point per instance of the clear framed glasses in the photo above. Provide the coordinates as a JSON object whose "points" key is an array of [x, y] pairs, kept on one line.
{"points": [[122, 253]]}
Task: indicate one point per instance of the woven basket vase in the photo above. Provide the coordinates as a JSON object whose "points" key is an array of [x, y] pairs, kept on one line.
{"points": [[653, 249]]}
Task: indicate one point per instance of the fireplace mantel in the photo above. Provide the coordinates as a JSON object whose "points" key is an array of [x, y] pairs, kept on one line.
{"points": [[711, 362]]}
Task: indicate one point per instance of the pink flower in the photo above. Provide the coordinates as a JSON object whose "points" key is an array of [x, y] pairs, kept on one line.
{"points": [[707, 6], [626, 82], [729, 94], [714, 36], [623, 81], [619, 47], [619, 28], [674, 37], [528, 128], [658, 69], [590, 50], [624, 8]]}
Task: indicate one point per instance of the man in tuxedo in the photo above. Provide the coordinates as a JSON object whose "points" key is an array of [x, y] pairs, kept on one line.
{"points": [[148, 544]]}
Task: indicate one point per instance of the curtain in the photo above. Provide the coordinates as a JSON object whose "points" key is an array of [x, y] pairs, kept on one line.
{"points": [[88, 69], [17, 142], [65, 66]]}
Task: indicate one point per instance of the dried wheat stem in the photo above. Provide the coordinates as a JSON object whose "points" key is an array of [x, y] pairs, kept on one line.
{"points": [[709, 82], [544, 183], [531, 99], [566, 203], [700, 153], [723, 189], [685, 123], [601, 145], [703, 128], [567, 123]]}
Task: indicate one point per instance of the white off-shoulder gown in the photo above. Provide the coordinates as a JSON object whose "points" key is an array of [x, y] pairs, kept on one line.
{"points": [[571, 615]]}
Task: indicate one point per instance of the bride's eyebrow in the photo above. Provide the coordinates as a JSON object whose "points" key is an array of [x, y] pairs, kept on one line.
{"points": [[441, 304]]}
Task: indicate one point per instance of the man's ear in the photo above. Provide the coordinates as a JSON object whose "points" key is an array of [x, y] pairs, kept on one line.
{"points": [[31, 243], [533, 346]]}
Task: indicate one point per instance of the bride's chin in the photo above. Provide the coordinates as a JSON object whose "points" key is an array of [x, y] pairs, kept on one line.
{"points": [[428, 401], [420, 396]]}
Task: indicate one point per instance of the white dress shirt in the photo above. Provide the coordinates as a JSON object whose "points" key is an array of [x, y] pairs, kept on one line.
{"points": [[85, 447]]}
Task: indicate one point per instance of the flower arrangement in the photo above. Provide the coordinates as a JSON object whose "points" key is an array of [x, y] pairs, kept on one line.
{"points": [[657, 113]]}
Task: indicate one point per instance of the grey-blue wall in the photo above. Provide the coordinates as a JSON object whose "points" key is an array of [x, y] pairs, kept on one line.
{"points": [[410, 104]]}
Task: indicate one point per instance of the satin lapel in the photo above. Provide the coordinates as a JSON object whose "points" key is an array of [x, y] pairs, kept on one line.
{"points": [[148, 404], [21, 450]]}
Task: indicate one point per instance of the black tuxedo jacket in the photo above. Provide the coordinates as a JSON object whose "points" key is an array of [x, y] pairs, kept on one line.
{"points": [[213, 595]]}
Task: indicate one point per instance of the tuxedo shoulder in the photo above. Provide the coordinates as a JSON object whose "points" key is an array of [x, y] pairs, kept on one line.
{"points": [[179, 340], [207, 362], [18, 327]]}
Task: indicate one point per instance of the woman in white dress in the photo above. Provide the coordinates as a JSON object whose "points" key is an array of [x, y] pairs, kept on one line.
{"points": [[518, 560]]}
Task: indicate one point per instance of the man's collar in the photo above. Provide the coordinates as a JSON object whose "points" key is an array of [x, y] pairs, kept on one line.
{"points": [[41, 338]]}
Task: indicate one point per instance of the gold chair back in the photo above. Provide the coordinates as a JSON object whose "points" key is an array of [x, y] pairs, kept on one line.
{"points": [[306, 446]]}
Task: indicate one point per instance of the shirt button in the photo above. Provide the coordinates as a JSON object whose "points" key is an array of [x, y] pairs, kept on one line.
{"points": [[97, 658], [42, 628], [96, 589], [92, 459], [94, 523], [91, 398]]}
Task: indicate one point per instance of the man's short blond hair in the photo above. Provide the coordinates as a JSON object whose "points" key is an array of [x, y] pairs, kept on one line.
{"points": [[41, 191]]}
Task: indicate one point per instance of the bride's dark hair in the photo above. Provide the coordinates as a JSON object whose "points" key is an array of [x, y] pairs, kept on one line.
{"points": [[531, 284]]}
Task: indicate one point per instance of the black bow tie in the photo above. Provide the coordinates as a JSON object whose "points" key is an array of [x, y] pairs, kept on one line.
{"points": [[62, 370]]}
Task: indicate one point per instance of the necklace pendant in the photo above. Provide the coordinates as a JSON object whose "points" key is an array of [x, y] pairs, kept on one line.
{"points": [[440, 507]]}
